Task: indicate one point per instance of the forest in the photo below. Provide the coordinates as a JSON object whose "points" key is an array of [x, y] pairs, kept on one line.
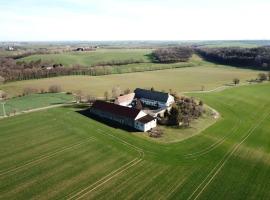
{"points": [[172, 55], [256, 58]]}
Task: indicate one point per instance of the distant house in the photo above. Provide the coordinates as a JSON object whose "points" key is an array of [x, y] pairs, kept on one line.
{"points": [[126, 116], [125, 100], [10, 48], [154, 98]]}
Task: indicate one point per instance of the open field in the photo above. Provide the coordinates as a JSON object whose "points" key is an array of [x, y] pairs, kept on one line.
{"points": [[33, 101], [93, 57], [183, 79], [61, 154]]}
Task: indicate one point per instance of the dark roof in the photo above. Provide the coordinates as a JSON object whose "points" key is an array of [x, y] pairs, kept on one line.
{"points": [[116, 109], [152, 95], [146, 119]]}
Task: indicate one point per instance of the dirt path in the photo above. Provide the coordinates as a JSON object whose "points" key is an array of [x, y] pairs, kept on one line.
{"points": [[36, 109]]}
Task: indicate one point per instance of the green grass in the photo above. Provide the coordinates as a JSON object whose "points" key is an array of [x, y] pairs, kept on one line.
{"points": [[93, 57], [33, 101], [176, 134], [58, 154], [182, 79]]}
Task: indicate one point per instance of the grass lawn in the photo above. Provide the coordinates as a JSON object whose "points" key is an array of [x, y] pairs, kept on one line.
{"points": [[93, 57], [182, 79], [33, 101], [176, 134], [61, 154]]}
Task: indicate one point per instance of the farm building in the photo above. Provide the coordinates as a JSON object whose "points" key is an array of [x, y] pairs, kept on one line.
{"points": [[154, 98], [126, 116], [125, 100]]}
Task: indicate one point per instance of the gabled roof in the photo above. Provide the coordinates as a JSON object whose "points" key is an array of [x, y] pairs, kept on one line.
{"points": [[152, 95], [125, 98], [146, 119], [116, 109]]}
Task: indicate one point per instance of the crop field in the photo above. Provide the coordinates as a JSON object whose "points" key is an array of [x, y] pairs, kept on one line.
{"points": [[203, 74], [93, 57], [62, 154], [33, 101]]}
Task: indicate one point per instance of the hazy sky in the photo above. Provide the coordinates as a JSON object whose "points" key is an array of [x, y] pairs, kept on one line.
{"points": [[45, 20]]}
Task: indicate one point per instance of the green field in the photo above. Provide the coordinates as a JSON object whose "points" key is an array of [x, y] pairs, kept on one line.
{"points": [[93, 57], [61, 154], [182, 79], [33, 101]]}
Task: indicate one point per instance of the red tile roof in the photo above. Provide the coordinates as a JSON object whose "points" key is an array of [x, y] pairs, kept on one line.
{"points": [[116, 109]]}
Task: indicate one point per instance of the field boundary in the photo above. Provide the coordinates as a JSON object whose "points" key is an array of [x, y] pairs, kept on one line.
{"points": [[36, 109]]}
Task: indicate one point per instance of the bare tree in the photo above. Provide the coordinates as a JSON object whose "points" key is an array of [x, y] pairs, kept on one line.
{"points": [[3, 95], [29, 90], [55, 89], [127, 91], [90, 98], [106, 95], [116, 91], [78, 96], [236, 81], [262, 76], [2, 80]]}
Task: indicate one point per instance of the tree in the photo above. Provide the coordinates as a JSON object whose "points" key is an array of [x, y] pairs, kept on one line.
{"points": [[268, 76], [55, 89], [236, 81], [262, 76], [139, 105], [106, 95], [116, 91], [29, 90], [3, 95], [202, 88], [174, 116], [127, 91], [90, 98], [78, 96], [200, 103], [2, 80]]}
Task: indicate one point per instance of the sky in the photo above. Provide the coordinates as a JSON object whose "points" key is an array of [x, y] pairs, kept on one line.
{"points": [[98, 20]]}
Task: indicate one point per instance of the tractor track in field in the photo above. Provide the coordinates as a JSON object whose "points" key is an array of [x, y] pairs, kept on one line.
{"points": [[87, 190], [215, 145], [43, 157], [214, 172]]}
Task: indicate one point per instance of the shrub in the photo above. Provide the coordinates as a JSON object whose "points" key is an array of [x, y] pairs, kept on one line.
{"points": [[29, 90], [262, 76], [55, 89], [236, 81]]}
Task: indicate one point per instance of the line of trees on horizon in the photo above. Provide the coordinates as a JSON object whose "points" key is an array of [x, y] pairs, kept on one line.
{"points": [[255, 58]]}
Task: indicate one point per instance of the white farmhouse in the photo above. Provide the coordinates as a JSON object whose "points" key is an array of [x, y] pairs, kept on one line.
{"points": [[154, 98]]}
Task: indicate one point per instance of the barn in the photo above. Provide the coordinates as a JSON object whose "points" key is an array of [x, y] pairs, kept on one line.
{"points": [[126, 116], [154, 98]]}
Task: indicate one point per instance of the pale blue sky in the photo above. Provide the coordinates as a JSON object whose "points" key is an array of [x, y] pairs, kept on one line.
{"points": [[47, 20]]}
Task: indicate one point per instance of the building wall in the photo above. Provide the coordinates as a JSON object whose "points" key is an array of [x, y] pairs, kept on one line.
{"points": [[110, 116], [145, 127], [170, 100]]}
